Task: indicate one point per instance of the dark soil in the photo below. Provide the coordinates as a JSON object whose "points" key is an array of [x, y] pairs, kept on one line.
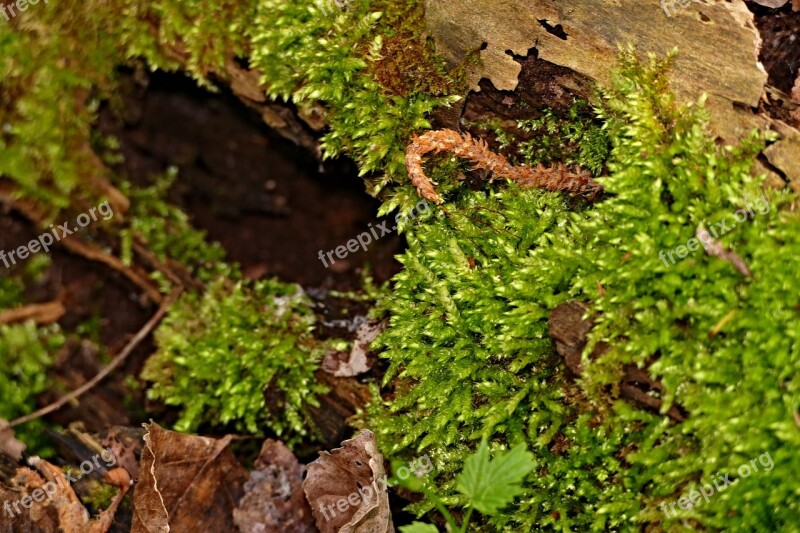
{"points": [[269, 203]]}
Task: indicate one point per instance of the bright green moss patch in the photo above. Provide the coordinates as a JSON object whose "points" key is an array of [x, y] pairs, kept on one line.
{"points": [[470, 356], [26, 353], [220, 354], [311, 52], [575, 139]]}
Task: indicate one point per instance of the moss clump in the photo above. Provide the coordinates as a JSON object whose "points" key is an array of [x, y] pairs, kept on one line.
{"points": [[342, 55], [312, 52], [26, 353], [167, 232], [470, 357], [220, 354], [574, 139]]}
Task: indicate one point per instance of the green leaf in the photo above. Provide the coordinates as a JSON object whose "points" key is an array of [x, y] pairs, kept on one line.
{"points": [[419, 527], [490, 485]]}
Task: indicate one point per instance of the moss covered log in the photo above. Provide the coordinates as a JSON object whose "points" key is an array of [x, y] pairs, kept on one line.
{"points": [[713, 320]]}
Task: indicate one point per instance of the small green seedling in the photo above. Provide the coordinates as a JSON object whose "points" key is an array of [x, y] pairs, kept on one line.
{"points": [[488, 485]]}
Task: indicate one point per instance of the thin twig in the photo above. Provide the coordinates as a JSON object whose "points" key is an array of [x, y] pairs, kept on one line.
{"points": [[92, 252], [118, 360], [45, 313], [715, 248], [95, 253]]}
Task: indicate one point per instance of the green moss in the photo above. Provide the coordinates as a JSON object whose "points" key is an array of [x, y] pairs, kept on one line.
{"points": [[574, 139], [220, 354], [169, 235], [100, 495], [470, 357], [26, 353], [311, 52]]}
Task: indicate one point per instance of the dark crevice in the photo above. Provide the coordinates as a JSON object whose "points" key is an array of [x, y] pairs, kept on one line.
{"points": [[765, 161], [557, 30], [266, 200]]}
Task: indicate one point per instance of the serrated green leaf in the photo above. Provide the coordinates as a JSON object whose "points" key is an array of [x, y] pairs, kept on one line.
{"points": [[489, 484], [419, 527]]}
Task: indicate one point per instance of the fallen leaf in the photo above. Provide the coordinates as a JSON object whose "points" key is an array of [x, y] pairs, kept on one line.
{"points": [[771, 3], [39, 520], [52, 505], [187, 483], [9, 444], [126, 445], [274, 501], [346, 488], [357, 362]]}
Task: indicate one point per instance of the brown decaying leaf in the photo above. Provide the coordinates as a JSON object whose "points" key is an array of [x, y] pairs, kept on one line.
{"points": [[555, 178], [52, 505], [346, 488], [126, 445], [36, 519], [187, 483], [274, 501], [9, 445], [771, 3], [357, 362]]}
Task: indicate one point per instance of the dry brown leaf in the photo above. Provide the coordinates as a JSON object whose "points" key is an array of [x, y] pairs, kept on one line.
{"points": [[42, 520], [274, 501], [126, 445], [346, 488], [149, 513], [9, 445], [344, 365], [46, 502], [771, 3], [187, 483]]}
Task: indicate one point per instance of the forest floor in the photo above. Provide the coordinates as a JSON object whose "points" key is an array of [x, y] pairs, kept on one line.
{"points": [[270, 204]]}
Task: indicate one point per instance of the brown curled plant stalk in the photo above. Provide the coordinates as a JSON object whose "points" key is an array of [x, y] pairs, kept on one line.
{"points": [[554, 178]]}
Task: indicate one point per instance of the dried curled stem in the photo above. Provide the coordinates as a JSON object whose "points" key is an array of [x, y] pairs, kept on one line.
{"points": [[555, 178]]}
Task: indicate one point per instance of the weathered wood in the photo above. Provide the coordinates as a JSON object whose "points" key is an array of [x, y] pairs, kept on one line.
{"points": [[717, 41]]}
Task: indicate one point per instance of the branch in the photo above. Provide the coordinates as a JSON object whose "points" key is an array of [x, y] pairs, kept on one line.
{"points": [[45, 313], [118, 360]]}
